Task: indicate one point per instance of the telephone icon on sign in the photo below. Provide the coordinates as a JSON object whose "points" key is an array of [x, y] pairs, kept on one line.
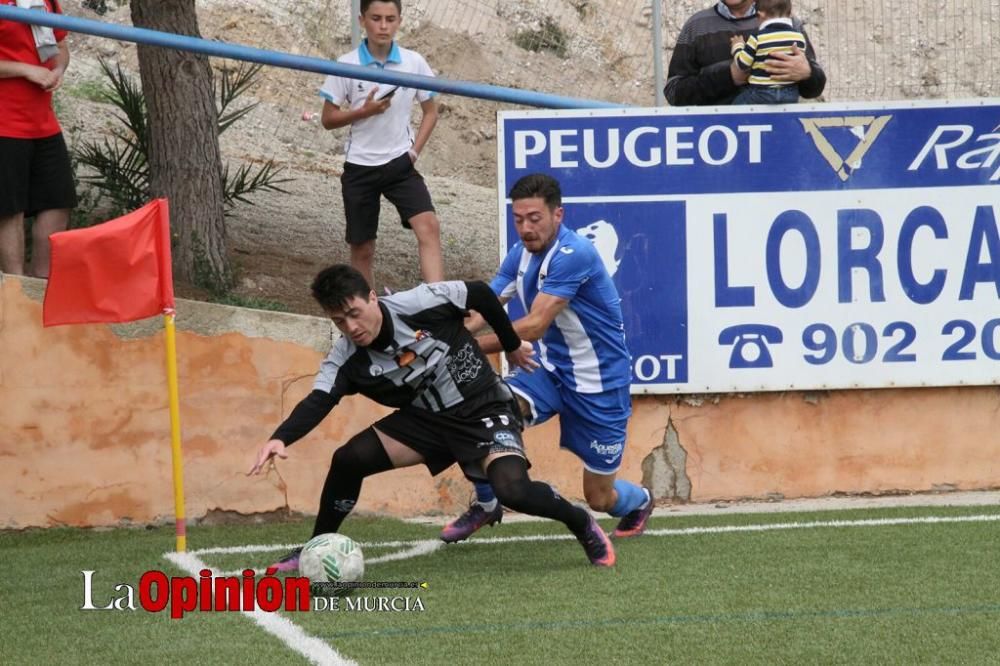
{"points": [[749, 343]]}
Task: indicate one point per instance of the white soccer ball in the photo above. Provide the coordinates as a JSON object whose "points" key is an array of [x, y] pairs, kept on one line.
{"points": [[332, 558]]}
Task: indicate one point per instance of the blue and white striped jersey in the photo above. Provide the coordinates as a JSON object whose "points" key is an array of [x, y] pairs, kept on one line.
{"points": [[585, 345]]}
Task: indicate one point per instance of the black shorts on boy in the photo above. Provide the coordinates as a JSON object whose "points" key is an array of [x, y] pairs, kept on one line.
{"points": [[363, 187]]}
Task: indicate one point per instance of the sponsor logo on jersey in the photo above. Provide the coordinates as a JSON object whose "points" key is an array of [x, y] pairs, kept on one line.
{"points": [[505, 437], [405, 357], [606, 449]]}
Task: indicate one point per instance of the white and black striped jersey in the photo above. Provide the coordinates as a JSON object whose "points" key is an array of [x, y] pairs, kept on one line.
{"points": [[423, 356]]}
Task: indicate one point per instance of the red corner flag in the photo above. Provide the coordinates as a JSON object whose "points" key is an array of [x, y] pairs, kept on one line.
{"points": [[114, 272]]}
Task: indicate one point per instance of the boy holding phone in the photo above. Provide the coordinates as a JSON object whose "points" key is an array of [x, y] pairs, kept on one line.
{"points": [[381, 147]]}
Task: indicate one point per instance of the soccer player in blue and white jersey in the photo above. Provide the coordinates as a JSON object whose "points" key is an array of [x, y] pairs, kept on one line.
{"points": [[574, 313]]}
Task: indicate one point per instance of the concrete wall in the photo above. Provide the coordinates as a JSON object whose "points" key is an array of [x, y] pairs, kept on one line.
{"points": [[85, 436]]}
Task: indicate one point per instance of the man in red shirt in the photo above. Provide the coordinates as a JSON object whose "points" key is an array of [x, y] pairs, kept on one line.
{"points": [[36, 178]]}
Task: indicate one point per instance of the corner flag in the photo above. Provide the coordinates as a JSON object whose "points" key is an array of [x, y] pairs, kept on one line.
{"points": [[116, 272]]}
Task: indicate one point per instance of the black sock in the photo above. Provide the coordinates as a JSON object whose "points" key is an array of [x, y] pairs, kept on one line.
{"points": [[509, 477], [363, 455]]}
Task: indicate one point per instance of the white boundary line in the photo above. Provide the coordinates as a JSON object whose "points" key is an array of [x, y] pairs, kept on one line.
{"points": [[286, 631], [425, 546], [975, 498], [414, 549], [321, 652]]}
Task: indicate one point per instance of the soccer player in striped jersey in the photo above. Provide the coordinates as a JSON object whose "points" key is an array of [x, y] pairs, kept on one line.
{"points": [[411, 351], [776, 34], [574, 313]]}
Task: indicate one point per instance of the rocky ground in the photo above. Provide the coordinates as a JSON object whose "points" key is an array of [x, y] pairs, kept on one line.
{"points": [[279, 243]]}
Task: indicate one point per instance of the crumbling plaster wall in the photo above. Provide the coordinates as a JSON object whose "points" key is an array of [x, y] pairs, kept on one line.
{"points": [[85, 438]]}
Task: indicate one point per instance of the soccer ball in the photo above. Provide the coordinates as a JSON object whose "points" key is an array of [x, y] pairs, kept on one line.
{"points": [[332, 558]]}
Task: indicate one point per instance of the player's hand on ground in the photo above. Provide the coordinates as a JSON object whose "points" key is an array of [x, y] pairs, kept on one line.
{"points": [[273, 448], [374, 107], [523, 357], [792, 66]]}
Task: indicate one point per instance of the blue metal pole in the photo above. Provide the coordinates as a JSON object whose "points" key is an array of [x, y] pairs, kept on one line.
{"points": [[279, 59]]}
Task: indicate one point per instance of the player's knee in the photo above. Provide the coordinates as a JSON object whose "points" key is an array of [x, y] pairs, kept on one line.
{"points": [[510, 481], [512, 493], [362, 455], [345, 459]]}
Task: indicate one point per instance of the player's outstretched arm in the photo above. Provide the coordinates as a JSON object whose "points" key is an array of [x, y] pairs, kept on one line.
{"points": [[544, 310], [274, 447], [532, 326], [482, 299], [308, 414]]}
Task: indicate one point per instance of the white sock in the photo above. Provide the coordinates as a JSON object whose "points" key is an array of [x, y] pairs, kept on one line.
{"points": [[488, 506]]}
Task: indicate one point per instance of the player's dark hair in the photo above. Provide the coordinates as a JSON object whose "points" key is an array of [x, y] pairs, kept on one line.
{"points": [[775, 8], [365, 4], [538, 185], [337, 284]]}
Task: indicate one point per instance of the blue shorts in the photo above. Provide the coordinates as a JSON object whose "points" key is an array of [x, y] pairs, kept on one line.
{"points": [[592, 425]]}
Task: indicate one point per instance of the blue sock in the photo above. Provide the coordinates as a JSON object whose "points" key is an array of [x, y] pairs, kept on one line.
{"points": [[630, 498], [484, 492]]}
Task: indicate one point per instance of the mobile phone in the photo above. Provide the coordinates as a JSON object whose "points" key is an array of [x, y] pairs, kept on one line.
{"points": [[388, 95]]}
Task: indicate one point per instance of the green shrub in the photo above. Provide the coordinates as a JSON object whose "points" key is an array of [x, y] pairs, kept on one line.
{"points": [[252, 302], [119, 163], [548, 37]]}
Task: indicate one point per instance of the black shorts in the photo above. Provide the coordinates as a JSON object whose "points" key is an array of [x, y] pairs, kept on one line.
{"points": [[363, 187], [443, 438], [36, 175]]}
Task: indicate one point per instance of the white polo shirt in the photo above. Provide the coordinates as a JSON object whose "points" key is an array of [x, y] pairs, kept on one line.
{"points": [[378, 139]]}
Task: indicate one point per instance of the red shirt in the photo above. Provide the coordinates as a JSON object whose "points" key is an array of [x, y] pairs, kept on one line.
{"points": [[25, 109]]}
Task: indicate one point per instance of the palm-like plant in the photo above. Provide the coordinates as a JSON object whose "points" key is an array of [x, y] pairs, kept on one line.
{"points": [[119, 163]]}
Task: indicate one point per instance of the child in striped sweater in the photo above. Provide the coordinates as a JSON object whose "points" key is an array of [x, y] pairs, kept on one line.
{"points": [[775, 34]]}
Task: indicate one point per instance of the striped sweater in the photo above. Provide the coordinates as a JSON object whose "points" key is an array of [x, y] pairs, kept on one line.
{"points": [[699, 66], [774, 36]]}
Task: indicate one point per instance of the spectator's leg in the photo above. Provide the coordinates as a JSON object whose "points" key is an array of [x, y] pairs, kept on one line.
{"points": [[46, 223], [362, 258], [428, 232], [12, 244]]}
